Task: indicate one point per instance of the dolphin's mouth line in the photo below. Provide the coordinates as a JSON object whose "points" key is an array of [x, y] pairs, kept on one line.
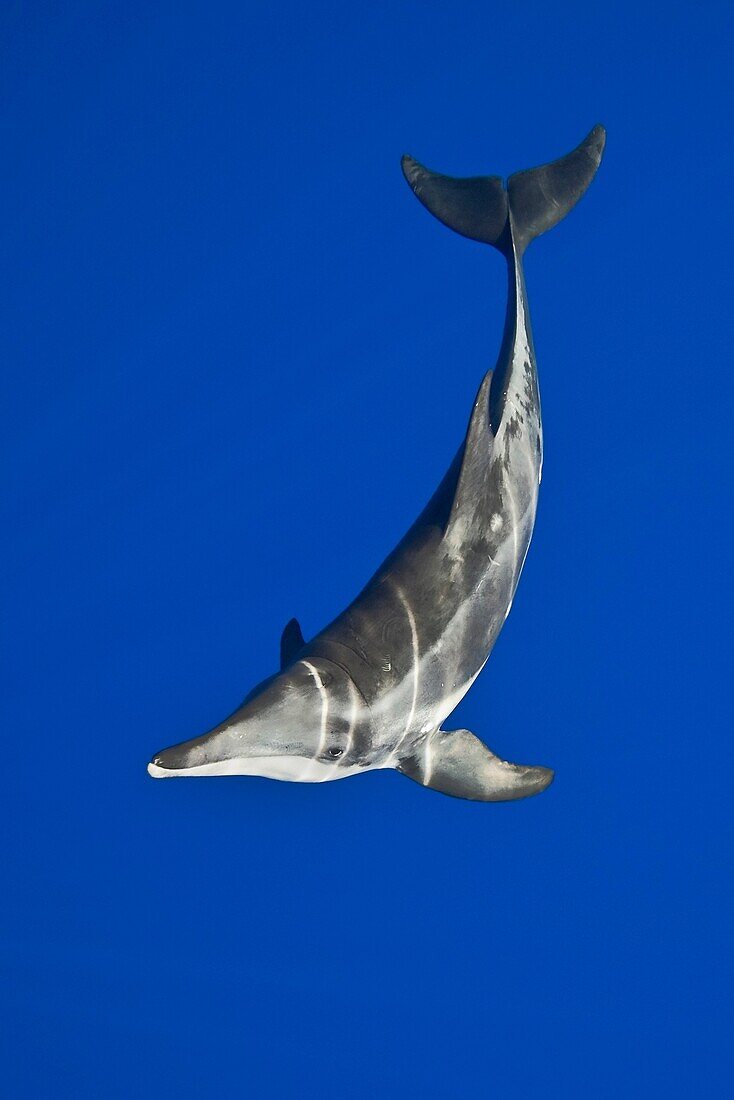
{"points": [[296, 769], [255, 765], [215, 768]]}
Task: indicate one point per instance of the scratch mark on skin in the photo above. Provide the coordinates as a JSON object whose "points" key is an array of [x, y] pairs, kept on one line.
{"points": [[353, 697], [353, 700], [428, 763], [324, 706], [414, 643]]}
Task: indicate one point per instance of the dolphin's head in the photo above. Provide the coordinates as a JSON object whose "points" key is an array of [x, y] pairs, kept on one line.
{"points": [[299, 725]]}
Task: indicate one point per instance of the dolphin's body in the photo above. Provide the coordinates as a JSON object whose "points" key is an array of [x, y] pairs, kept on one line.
{"points": [[373, 689]]}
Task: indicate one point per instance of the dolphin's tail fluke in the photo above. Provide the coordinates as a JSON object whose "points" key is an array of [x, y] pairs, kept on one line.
{"points": [[535, 200]]}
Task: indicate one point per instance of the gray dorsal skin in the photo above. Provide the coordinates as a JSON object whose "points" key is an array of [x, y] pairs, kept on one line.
{"points": [[374, 688]]}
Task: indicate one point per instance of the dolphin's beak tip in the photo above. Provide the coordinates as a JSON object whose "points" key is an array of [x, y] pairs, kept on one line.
{"points": [[156, 771]]}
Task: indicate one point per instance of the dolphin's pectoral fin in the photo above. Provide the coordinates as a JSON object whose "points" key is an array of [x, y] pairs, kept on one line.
{"points": [[291, 643], [457, 763]]}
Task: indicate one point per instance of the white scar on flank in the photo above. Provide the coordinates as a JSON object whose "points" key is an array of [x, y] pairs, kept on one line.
{"points": [[335, 767], [427, 762], [414, 643], [354, 700], [324, 716]]}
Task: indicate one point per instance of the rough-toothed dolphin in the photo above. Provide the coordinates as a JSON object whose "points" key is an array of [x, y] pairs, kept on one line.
{"points": [[374, 688]]}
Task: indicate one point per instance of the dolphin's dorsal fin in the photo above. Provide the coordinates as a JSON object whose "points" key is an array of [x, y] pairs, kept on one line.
{"points": [[456, 762], [291, 643], [475, 460]]}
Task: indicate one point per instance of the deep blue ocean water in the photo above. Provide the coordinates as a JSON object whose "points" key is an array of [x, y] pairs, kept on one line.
{"points": [[237, 358]]}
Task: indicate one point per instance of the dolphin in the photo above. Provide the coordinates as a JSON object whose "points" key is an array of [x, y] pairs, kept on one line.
{"points": [[375, 687]]}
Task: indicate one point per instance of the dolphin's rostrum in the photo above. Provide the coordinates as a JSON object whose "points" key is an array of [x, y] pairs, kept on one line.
{"points": [[374, 688]]}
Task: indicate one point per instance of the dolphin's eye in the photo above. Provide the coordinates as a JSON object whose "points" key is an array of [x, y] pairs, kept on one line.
{"points": [[335, 752]]}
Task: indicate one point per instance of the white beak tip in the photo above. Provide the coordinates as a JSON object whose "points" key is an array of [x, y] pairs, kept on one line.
{"points": [[156, 772]]}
